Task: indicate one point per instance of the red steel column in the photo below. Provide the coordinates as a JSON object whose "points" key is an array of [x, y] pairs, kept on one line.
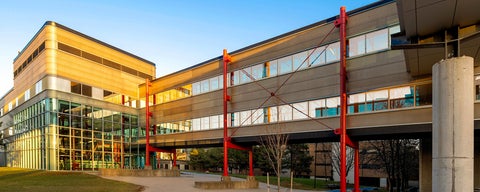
{"points": [[226, 98], [341, 23], [147, 123], [356, 186], [250, 162], [174, 158]]}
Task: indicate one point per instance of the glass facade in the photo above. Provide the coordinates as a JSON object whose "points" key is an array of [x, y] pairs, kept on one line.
{"points": [[406, 96], [61, 135], [359, 45]]}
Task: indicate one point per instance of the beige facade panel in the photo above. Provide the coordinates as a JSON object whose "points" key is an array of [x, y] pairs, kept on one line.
{"points": [[91, 73], [92, 47]]}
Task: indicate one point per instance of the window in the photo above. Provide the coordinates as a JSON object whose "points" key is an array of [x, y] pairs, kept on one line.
{"points": [[377, 40], [86, 90], [356, 103], [187, 125], [477, 87], [76, 87], [423, 94], [38, 87], [214, 123], [298, 61], [196, 123], [257, 71], [285, 65], [333, 52], [205, 123], [257, 116], [401, 97], [273, 114], [244, 75], [356, 46], [187, 90], [214, 83], [285, 112], [332, 107], [315, 108], [235, 119], [394, 29], [377, 100], [272, 68], [205, 86], [10, 106], [245, 118], [236, 77], [318, 56], [27, 94], [220, 81], [196, 88], [300, 110]]}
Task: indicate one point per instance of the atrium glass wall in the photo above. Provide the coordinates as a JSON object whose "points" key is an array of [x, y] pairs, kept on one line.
{"points": [[61, 135]]}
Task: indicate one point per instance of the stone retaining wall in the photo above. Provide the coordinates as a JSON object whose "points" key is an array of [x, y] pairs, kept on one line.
{"points": [[250, 183]]}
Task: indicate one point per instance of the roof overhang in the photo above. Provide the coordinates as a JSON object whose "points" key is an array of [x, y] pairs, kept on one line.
{"points": [[432, 29]]}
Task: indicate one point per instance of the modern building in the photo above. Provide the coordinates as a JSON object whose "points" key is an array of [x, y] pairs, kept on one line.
{"points": [[78, 103], [72, 106]]}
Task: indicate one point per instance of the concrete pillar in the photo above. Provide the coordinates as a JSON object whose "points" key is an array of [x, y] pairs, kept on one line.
{"points": [[425, 165], [452, 133]]}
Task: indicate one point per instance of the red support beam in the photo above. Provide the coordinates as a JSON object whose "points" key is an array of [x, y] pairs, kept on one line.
{"points": [[147, 123], [250, 162], [341, 23], [174, 158], [231, 145], [226, 140]]}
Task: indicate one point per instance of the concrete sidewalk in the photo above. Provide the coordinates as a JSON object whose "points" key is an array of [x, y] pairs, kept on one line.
{"points": [[185, 183]]}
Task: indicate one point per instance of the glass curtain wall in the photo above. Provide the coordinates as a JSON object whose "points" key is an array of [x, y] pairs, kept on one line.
{"points": [[61, 135]]}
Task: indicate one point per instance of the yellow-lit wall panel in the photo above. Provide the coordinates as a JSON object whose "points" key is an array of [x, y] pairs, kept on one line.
{"points": [[92, 47], [90, 73]]}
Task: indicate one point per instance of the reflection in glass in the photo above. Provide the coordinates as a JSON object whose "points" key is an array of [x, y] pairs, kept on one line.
{"points": [[318, 56], [333, 52], [377, 100], [423, 94], [401, 97], [285, 65], [244, 78], [356, 103], [300, 110], [377, 40], [299, 61], [356, 46], [332, 107]]}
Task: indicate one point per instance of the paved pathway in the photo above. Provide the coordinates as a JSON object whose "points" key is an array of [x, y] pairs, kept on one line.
{"points": [[185, 183]]}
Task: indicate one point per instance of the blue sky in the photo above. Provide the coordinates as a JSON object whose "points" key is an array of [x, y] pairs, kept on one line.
{"points": [[173, 34]]}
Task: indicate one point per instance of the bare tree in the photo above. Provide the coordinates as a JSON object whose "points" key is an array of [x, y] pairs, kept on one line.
{"points": [[399, 158], [335, 155], [274, 144]]}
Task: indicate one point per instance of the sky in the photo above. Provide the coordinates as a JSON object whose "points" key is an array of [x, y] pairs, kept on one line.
{"points": [[173, 34]]}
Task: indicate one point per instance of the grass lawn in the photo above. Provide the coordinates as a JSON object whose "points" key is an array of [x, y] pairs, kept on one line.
{"points": [[18, 180]]}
